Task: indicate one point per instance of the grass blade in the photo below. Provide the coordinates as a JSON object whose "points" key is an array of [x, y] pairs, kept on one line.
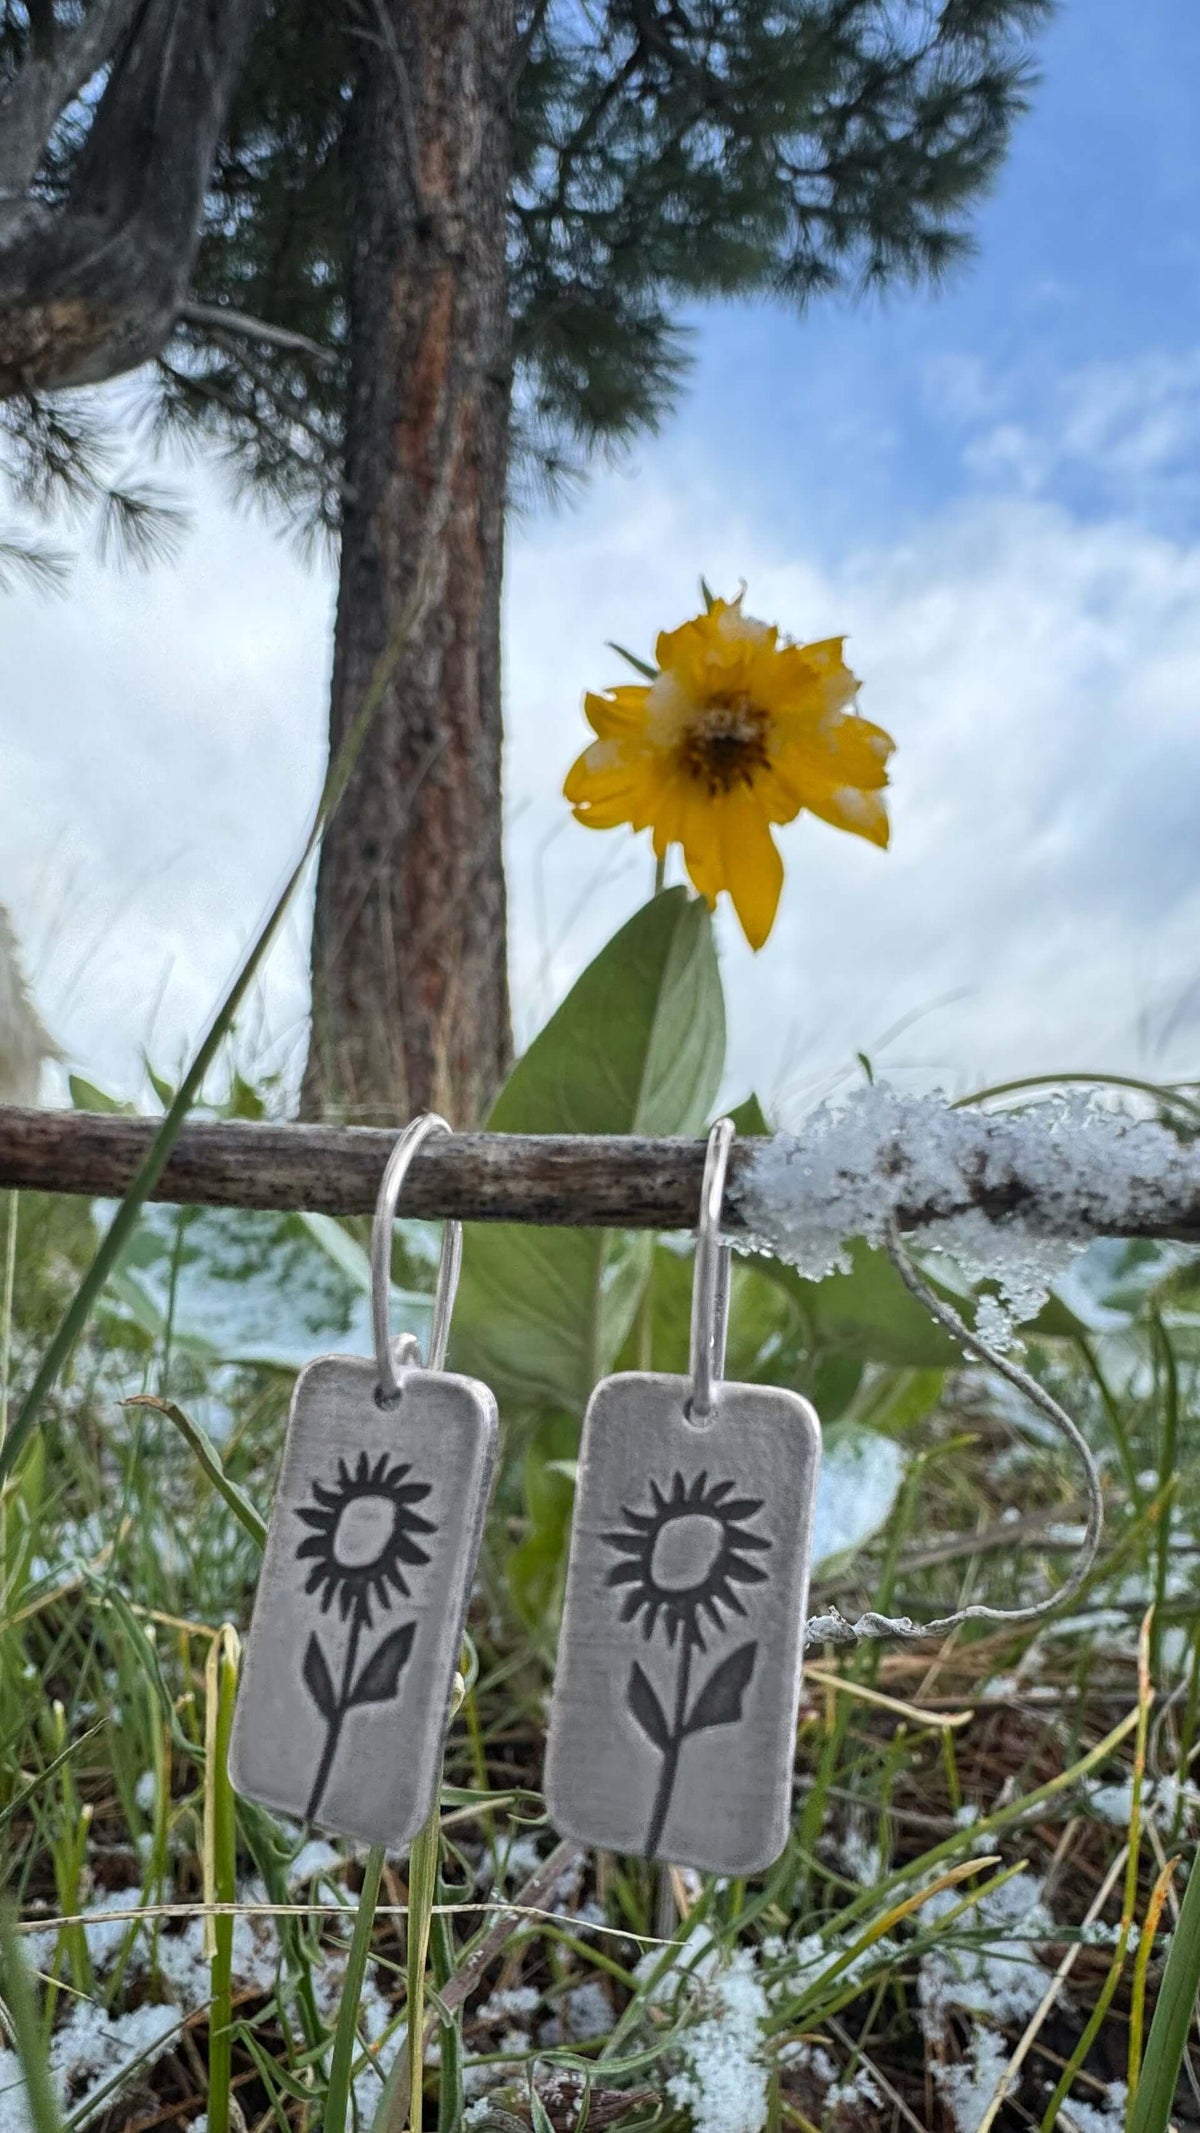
{"points": [[1153, 2105], [150, 1170], [220, 1868], [16, 1990], [209, 1460], [345, 2039]]}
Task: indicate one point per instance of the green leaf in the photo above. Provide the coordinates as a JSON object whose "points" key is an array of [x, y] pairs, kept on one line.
{"points": [[707, 595], [536, 1566], [868, 1313], [87, 1097], [834, 1383], [639, 665], [378, 1679], [720, 1700], [243, 1100], [317, 1678], [749, 1117], [646, 1708], [161, 1087], [636, 1047], [767, 1332], [899, 1400]]}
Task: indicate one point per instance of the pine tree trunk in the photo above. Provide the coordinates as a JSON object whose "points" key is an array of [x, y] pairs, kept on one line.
{"points": [[410, 990]]}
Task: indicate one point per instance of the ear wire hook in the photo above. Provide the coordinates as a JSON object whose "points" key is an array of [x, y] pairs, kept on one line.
{"points": [[405, 1349], [710, 1281]]}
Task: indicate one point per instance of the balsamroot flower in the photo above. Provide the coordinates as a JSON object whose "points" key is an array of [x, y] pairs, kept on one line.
{"points": [[737, 730]]}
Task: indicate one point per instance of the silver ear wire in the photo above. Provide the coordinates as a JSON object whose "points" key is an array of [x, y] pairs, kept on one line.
{"points": [[710, 1281], [404, 1349]]}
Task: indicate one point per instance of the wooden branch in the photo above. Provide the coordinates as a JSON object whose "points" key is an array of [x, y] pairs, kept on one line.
{"points": [[570, 1181], [221, 318], [91, 286], [476, 1177], [53, 71]]}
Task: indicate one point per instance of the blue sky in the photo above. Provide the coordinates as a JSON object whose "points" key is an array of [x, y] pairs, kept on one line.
{"points": [[1088, 253], [994, 492]]}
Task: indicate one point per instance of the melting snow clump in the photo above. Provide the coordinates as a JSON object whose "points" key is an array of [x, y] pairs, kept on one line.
{"points": [[969, 2087], [1064, 1173], [723, 2080], [1001, 1979]]}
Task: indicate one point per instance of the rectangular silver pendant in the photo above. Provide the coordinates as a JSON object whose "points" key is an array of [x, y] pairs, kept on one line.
{"points": [[357, 1626], [672, 1730]]}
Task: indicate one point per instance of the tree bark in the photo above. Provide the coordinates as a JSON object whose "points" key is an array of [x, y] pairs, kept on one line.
{"points": [[92, 287], [410, 991]]}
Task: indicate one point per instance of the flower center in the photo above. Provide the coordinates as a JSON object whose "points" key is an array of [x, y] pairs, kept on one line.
{"points": [[685, 1551], [363, 1531], [726, 743]]}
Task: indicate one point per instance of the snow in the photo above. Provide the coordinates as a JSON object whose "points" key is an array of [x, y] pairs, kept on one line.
{"points": [[1000, 1979], [969, 2087], [583, 2012], [90, 2049], [859, 1859], [1109, 2117], [722, 2083], [510, 2005], [88, 2055], [1072, 1168], [1162, 1799]]}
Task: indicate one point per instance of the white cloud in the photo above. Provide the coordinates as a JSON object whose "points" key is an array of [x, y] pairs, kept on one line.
{"points": [[1039, 668], [1115, 436]]}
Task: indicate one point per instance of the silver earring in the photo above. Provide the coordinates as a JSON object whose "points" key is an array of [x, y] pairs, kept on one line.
{"points": [[374, 1534], [673, 1722]]}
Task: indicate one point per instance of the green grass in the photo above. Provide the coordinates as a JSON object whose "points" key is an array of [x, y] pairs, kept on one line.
{"points": [[892, 1952]]}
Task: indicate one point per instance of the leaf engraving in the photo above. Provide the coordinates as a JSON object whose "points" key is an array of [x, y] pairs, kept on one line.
{"points": [[720, 1700], [379, 1677], [647, 1709], [317, 1678]]}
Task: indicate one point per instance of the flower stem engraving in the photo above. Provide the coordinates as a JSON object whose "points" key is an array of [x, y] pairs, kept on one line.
{"points": [[670, 1766], [685, 1559]]}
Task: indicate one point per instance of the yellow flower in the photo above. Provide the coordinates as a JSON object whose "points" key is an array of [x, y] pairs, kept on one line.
{"points": [[737, 730]]}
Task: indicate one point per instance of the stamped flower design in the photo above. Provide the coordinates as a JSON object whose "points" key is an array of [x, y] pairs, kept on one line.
{"points": [[360, 1550], [683, 1561]]}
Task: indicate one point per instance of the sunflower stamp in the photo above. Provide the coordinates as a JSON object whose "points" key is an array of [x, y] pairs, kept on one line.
{"points": [[678, 1681], [357, 1624]]}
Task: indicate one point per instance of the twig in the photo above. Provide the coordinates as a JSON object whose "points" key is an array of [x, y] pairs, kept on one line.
{"points": [[577, 1181], [221, 318]]}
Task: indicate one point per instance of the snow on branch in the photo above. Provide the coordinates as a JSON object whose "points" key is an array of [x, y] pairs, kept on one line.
{"points": [[1010, 1195]]}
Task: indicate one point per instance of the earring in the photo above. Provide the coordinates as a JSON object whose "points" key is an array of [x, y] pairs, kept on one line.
{"points": [[357, 1626], [673, 1722]]}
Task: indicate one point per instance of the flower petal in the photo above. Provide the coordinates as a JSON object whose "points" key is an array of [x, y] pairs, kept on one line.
{"points": [[839, 751], [849, 808], [618, 712], [753, 869]]}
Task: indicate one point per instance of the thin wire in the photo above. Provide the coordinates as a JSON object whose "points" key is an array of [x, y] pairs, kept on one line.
{"points": [[833, 1628], [710, 1277], [388, 1353]]}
